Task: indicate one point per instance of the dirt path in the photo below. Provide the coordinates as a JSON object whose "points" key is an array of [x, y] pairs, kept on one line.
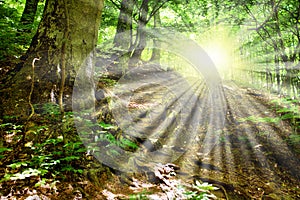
{"points": [[251, 157], [176, 121], [248, 157]]}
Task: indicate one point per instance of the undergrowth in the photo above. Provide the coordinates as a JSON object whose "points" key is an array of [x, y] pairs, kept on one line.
{"points": [[47, 148], [288, 110]]}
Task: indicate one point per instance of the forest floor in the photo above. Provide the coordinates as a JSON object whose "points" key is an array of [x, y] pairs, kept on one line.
{"points": [[252, 159]]}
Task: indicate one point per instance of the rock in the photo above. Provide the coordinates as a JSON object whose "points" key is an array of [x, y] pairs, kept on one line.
{"points": [[34, 197]]}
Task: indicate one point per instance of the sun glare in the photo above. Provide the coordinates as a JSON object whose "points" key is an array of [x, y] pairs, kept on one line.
{"points": [[220, 46], [219, 56]]}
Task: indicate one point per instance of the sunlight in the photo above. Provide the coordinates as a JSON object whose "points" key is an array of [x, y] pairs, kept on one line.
{"points": [[220, 44], [221, 52], [219, 55]]}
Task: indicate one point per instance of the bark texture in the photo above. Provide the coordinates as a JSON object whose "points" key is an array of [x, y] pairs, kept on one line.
{"points": [[123, 37], [66, 36]]}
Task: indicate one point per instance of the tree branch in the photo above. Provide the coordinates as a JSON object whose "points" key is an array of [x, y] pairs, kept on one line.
{"points": [[115, 4], [274, 8], [154, 10]]}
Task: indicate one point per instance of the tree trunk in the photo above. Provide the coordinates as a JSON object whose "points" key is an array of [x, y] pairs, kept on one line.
{"points": [[277, 71], [156, 51], [66, 36], [282, 49], [28, 15], [25, 29], [140, 42], [123, 37]]}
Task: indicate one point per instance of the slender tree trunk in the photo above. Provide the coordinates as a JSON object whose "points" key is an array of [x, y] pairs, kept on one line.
{"points": [[123, 37], [282, 49], [25, 30], [140, 42], [28, 15], [156, 51], [66, 36], [277, 71]]}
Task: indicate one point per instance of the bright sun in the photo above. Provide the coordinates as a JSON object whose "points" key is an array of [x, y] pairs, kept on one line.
{"points": [[220, 46], [219, 56]]}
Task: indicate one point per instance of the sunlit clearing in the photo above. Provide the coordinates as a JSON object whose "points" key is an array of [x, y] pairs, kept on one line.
{"points": [[220, 45]]}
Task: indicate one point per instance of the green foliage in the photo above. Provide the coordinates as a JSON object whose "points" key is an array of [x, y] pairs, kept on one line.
{"points": [[122, 142], [27, 173], [43, 163], [41, 182], [294, 139], [108, 135], [11, 130], [2, 150], [8, 26], [13, 44], [49, 158], [289, 110], [256, 119], [204, 186], [113, 140], [50, 109], [70, 168], [201, 191], [141, 196], [17, 165], [106, 126], [52, 157], [10, 127]]}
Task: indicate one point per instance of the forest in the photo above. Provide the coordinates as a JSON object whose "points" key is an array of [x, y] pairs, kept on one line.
{"points": [[149, 99]]}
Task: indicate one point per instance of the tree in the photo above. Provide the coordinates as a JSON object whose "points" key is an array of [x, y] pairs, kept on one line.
{"points": [[130, 37], [156, 51], [14, 39], [277, 26], [123, 37], [66, 36], [28, 15]]}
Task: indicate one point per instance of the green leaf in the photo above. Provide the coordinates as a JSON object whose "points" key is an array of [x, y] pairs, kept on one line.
{"points": [[53, 141], [17, 165], [69, 168], [41, 182], [127, 143], [294, 139], [52, 162], [205, 186], [80, 171], [70, 158], [106, 126], [3, 149], [111, 138], [81, 150], [6, 177], [6, 124], [287, 116], [28, 173]]}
